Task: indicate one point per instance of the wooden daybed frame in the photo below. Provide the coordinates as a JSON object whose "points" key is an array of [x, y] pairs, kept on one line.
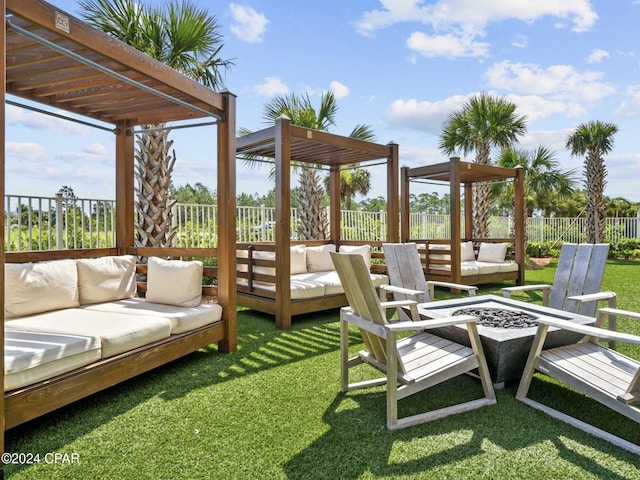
{"points": [[57, 60], [285, 143], [461, 176]]}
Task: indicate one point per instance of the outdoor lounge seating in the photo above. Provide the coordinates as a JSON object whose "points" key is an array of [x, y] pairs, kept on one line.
{"points": [[461, 256], [65, 318], [314, 284], [58, 351], [576, 286], [409, 364], [598, 372]]}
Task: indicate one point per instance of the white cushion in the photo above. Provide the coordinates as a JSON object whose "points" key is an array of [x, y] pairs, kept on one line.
{"points": [[260, 255], [182, 319], [484, 268], [31, 288], [106, 279], [298, 259], [318, 258], [174, 282], [364, 250], [467, 253], [439, 256], [117, 333], [492, 252], [30, 357]]}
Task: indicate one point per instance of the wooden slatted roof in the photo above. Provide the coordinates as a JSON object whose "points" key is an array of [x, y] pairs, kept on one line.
{"points": [[55, 59], [464, 172], [313, 146]]}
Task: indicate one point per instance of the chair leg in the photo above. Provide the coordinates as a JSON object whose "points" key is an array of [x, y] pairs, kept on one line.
{"points": [[392, 382]]}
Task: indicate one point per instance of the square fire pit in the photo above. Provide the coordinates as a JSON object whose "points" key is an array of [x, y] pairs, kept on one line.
{"points": [[506, 349]]}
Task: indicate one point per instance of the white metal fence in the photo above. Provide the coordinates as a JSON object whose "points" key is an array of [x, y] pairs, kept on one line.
{"points": [[50, 223]]}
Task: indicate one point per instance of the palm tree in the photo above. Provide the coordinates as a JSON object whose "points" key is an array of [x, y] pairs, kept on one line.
{"points": [[484, 121], [594, 139], [312, 216], [543, 179], [185, 38]]}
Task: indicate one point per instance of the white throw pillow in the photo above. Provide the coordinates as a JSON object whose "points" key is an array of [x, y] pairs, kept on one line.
{"points": [[492, 252], [298, 259], [364, 250], [439, 256], [318, 258], [106, 279], [174, 282], [466, 252], [262, 255], [31, 288]]}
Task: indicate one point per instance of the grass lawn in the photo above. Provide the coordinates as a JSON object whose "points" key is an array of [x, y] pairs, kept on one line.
{"points": [[273, 410]]}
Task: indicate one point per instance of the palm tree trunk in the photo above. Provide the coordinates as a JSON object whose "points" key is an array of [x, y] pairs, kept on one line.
{"points": [[481, 197], [154, 167], [595, 174], [312, 215]]}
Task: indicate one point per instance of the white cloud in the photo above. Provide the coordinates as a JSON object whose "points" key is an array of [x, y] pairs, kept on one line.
{"points": [[423, 115], [443, 14], [454, 25], [597, 55], [557, 81], [630, 107], [95, 149], [448, 45], [248, 25], [536, 107], [271, 86], [16, 116], [521, 41], [26, 151], [339, 90]]}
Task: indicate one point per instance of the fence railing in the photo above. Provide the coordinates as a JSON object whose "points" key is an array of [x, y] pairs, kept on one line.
{"points": [[56, 223]]}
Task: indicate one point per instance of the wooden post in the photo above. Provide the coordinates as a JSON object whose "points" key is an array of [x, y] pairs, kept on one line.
{"points": [[282, 234], [405, 216], [3, 40], [454, 204], [334, 204], [392, 194], [125, 204], [519, 227], [226, 245]]}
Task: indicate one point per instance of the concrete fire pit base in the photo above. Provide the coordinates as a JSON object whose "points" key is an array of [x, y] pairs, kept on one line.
{"points": [[506, 349]]}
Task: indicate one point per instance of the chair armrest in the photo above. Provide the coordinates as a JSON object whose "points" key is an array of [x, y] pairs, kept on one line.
{"points": [[595, 297], [600, 333], [467, 288], [406, 291], [427, 324]]}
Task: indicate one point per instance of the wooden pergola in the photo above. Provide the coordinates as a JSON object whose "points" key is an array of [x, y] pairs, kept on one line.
{"points": [[461, 176], [286, 143], [59, 62]]}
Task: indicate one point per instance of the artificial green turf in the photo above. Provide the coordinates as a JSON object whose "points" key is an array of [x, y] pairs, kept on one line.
{"points": [[273, 410]]}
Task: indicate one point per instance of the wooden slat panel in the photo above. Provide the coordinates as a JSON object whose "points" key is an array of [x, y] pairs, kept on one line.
{"points": [[563, 275]]}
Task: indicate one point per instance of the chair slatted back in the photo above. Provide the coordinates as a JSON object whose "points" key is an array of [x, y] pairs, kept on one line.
{"points": [[405, 269], [362, 297], [580, 271]]}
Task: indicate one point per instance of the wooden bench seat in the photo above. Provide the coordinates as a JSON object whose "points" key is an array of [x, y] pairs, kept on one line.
{"points": [[597, 371]]}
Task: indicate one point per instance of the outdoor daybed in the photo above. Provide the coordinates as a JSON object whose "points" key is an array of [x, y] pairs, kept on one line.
{"points": [[58, 62], [489, 262], [462, 258], [314, 284], [74, 327], [288, 145]]}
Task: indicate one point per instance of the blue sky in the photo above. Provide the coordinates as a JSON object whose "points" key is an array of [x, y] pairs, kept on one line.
{"points": [[400, 66]]}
